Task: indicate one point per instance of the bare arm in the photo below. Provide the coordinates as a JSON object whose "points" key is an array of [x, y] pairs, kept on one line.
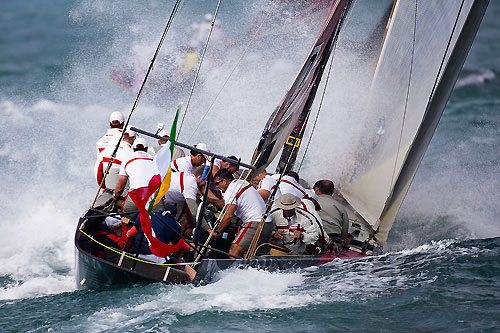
{"points": [[193, 208], [265, 194], [226, 220], [219, 203], [122, 181]]}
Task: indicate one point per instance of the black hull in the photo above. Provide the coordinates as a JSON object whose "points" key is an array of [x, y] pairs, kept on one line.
{"points": [[111, 268], [208, 268]]}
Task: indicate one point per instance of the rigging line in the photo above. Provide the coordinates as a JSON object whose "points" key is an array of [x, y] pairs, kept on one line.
{"points": [[219, 219], [252, 249], [199, 66], [113, 155], [231, 73], [317, 114], [407, 94], [437, 77]]}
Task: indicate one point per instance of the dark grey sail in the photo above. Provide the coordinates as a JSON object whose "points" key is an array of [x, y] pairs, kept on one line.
{"points": [[300, 96]]}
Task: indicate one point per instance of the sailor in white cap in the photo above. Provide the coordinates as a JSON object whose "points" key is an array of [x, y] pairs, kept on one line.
{"points": [[137, 171], [178, 152], [190, 163], [116, 122], [298, 226], [123, 154]]}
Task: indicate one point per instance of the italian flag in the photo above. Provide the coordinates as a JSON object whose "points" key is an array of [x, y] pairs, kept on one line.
{"points": [[158, 185]]}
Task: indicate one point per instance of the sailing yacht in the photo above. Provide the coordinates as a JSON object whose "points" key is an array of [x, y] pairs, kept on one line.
{"points": [[392, 65]]}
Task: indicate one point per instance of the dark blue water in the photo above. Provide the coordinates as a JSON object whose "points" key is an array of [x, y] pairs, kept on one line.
{"points": [[442, 265]]}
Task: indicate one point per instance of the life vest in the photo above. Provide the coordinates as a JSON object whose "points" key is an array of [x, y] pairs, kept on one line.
{"points": [[116, 241]]}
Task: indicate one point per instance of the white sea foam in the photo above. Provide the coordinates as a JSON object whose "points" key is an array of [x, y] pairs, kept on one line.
{"points": [[476, 78]]}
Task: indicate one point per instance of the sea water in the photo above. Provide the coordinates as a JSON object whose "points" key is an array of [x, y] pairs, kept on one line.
{"points": [[441, 266]]}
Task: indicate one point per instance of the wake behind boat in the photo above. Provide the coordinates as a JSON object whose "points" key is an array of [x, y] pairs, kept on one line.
{"points": [[404, 94]]}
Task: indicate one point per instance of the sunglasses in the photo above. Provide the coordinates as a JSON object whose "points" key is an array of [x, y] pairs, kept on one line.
{"points": [[217, 183]]}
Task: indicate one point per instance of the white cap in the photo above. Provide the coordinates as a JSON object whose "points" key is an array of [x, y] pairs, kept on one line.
{"points": [[112, 221], [163, 133], [129, 132], [209, 17], [205, 147], [140, 141], [116, 116]]}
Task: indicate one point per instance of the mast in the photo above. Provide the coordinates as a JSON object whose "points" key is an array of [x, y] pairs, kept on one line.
{"points": [[296, 105], [292, 143]]}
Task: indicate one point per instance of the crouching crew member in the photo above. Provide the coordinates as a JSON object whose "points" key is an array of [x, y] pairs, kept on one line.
{"points": [[182, 193], [166, 230], [190, 163], [298, 226], [290, 184], [113, 233], [243, 201], [333, 214]]}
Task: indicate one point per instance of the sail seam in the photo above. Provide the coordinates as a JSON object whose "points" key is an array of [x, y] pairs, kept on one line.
{"points": [[407, 94]]}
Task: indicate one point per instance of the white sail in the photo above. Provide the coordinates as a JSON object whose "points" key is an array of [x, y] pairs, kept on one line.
{"points": [[417, 46]]}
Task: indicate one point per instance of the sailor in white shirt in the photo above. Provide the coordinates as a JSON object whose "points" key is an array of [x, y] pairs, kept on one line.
{"points": [[182, 193], [298, 225], [116, 121], [231, 167], [122, 155], [190, 163], [178, 152], [243, 201], [266, 186], [138, 170], [290, 184]]}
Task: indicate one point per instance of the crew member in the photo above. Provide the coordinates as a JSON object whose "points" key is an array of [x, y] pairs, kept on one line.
{"points": [[137, 170], [116, 121], [178, 152], [190, 163], [332, 213], [298, 225], [243, 201], [290, 184], [167, 231], [122, 155], [266, 186], [182, 193]]}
